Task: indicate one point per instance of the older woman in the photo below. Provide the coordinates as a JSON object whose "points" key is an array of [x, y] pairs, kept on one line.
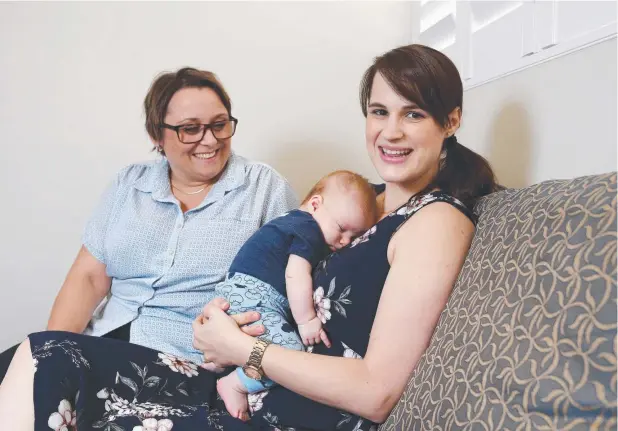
{"points": [[165, 233], [380, 297]]}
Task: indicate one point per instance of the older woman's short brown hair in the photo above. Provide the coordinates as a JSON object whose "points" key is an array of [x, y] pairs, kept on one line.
{"points": [[167, 84]]}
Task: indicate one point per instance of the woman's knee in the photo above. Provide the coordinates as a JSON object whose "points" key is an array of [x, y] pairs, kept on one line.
{"points": [[23, 354], [24, 348], [6, 358]]}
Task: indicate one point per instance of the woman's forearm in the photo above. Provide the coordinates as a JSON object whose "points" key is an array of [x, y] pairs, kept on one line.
{"points": [[355, 385], [85, 287], [351, 384], [74, 306]]}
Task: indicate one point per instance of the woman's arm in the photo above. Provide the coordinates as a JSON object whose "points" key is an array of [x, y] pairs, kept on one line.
{"points": [[83, 289], [426, 255]]}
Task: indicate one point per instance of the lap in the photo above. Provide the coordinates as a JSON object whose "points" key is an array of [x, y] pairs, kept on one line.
{"points": [[107, 383], [121, 333], [104, 383], [99, 383]]}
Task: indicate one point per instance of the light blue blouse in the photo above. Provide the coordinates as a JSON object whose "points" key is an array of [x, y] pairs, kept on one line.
{"points": [[164, 264]]}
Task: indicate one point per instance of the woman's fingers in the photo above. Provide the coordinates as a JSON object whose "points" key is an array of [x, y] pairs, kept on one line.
{"points": [[197, 322], [246, 318], [212, 367], [253, 330], [215, 306]]}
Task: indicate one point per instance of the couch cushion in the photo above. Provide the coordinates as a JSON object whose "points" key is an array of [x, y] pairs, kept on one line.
{"points": [[528, 337]]}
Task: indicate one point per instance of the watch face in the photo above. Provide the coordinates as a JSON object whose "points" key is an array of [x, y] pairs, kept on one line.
{"points": [[252, 373]]}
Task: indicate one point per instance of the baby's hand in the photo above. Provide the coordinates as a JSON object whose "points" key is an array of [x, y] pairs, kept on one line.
{"points": [[312, 332]]}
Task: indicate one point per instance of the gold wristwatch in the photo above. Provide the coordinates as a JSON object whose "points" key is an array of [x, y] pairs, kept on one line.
{"points": [[253, 367]]}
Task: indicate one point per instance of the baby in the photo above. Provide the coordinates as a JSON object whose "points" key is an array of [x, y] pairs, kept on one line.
{"points": [[272, 271]]}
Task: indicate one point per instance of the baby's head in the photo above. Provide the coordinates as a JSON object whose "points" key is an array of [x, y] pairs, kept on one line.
{"points": [[344, 206]]}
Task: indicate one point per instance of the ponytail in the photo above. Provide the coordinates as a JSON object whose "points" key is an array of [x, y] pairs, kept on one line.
{"points": [[463, 173]]}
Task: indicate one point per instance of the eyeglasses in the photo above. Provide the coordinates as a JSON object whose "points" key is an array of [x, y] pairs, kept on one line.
{"points": [[194, 132]]}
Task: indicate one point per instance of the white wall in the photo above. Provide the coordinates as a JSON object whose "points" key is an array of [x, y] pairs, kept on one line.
{"points": [[553, 120], [72, 80], [73, 77]]}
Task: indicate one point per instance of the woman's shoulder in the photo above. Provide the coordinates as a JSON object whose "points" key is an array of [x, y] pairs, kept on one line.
{"points": [[145, 176], [450, 205], [439, 230], [261, 170], [272, 192], [432, 213], [135, 171], [262, 174]]}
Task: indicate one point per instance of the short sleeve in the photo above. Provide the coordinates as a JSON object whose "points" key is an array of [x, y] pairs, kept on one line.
{"points": [[280, 198], [96, 227], [308, 242]]}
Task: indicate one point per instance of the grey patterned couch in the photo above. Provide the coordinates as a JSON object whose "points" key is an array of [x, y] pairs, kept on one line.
{"points": [[528, 338]]}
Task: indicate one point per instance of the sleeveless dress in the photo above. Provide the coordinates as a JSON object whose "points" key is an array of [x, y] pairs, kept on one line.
{"points": [[85, 383]]}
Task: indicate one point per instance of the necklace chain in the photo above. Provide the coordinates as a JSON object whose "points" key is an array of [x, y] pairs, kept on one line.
{"points": [[189, 193]]}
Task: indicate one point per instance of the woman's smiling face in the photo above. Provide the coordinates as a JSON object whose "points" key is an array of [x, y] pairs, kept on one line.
{"points": [[403, 141]]}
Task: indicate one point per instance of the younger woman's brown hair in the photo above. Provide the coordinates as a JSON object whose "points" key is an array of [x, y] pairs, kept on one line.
{"points": [[429, 78]]}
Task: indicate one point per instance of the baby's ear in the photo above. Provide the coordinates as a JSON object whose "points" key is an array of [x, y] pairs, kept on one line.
{"points": [[315, 202]]}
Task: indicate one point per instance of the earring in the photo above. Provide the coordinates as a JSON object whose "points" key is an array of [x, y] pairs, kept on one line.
{"points": [[160, 155]]}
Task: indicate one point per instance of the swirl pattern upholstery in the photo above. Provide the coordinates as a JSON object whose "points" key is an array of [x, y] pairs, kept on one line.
{"points": [[527, 340]]}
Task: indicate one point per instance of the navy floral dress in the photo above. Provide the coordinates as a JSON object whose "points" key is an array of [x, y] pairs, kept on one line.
{"points": [[91, 383]]}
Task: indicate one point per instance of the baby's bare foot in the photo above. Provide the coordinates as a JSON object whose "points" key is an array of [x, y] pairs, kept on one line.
{"points": [[234, 395]]}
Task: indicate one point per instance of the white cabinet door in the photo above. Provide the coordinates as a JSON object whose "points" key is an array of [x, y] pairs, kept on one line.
{"points": [[490, 39]]}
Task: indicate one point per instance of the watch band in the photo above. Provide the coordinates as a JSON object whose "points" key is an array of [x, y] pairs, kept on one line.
{"points": [[255, 358]]}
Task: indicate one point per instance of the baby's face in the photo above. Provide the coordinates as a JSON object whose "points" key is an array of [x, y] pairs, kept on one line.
{"points": [[342, 219]]}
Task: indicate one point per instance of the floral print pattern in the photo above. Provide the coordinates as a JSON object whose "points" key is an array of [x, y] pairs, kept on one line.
{"points": [[69, 348], [323, 302], [416, 203], [358, 423], [63, 419], [322, 305], [364, 237], [178, 365], [151, 424], [129, 387], [256, 401], [116, 406], [349, 353]]}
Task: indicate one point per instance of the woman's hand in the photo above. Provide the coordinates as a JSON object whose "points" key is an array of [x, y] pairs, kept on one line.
{"points": [[224, 340]]}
